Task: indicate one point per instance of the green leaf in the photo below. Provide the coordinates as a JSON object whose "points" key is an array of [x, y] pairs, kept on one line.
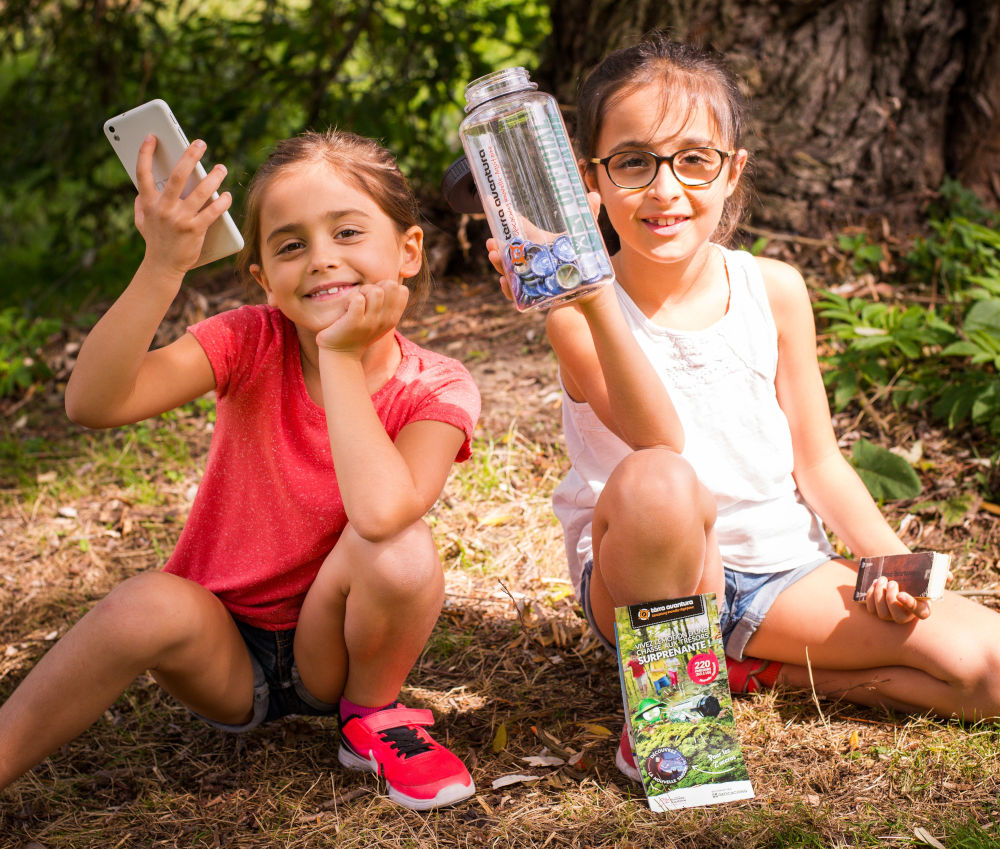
{"points": [[961, 349], [954, 510], [984, 316], [887, 476], [956, 402]]}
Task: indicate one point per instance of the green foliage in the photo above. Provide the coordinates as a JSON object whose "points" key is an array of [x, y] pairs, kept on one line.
{"points": [[887, 475], [866, 256], [21, 343], [882, 345], [963, 249], [241, 75], [943, 352]]}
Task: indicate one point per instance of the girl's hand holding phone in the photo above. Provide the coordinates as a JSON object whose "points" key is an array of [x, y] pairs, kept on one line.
{"points": [[890, 604], [174, 227], [369, 312]]}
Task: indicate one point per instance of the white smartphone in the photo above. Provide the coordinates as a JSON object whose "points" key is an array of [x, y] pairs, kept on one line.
{"points": [[126, 133]]}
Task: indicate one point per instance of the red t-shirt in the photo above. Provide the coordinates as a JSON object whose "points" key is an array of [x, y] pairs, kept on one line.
{"points": [[268, 509], [638, 670]]}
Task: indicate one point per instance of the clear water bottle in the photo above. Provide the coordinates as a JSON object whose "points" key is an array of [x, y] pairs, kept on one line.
{"points": [[531, 190]]}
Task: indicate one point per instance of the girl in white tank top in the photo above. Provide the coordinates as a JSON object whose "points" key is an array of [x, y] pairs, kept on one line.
{"points": [[703, 455]]}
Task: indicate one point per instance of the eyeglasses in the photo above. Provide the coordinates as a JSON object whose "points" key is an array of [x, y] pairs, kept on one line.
{"points": [[636, 169]]}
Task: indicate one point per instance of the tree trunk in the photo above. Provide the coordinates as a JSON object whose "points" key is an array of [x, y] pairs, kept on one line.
{"points": [[861, 107]]}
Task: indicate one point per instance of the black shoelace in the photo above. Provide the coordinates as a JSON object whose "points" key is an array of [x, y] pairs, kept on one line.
{"points": [[405, 740]]}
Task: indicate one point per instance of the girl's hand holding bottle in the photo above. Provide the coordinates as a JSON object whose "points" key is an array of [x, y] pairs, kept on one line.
{"points": [[173, 226], [536, 234]]}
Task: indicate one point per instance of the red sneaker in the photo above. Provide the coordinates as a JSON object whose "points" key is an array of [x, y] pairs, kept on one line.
{"points": [[624, 757], [419, 772], [751, 674]]}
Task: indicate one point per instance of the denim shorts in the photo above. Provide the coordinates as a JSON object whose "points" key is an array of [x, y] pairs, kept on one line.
{"points": [[277, 689], [748, 598]]}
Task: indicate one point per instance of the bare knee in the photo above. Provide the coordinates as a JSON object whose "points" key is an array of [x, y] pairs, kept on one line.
{"points": [[652, 529], [152, 613], [990, 680], [657, 490], [978, 679], [404, 568]]}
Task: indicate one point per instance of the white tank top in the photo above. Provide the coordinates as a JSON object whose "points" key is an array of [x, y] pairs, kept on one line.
{"points": [[736, 437]]}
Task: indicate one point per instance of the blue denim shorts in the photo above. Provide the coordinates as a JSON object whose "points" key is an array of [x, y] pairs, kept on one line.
{"points": [[277, 689], [748, 598]]}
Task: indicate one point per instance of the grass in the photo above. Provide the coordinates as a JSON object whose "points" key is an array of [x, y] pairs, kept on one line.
{"points": [[510, 670]]}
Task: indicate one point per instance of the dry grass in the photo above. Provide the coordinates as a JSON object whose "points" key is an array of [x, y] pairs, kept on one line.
{"points": [[510, 669]]}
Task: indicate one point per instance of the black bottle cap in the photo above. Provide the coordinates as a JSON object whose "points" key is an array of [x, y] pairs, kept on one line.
{"points": [[459, 188]]}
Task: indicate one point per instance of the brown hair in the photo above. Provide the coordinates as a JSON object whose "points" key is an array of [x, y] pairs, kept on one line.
{"points": [[697, 75], [359, 160]]}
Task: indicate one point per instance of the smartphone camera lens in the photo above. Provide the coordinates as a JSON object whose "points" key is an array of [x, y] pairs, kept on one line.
{"points": [[111, 129]]}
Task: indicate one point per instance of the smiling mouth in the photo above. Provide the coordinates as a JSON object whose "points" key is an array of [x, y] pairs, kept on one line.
{"points": [[667, 221], [330, 290]]}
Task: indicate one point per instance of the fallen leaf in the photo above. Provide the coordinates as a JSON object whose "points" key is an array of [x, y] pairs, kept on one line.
{"points": [[496, 517], [499, 738], [854, 741], [513, 778], [560, 593], [595, 729], [543, 760], [545, 736], [925, 836], [552, 742]]}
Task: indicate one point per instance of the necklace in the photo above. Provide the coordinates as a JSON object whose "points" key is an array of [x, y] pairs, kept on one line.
{"points": [[729, 285]]}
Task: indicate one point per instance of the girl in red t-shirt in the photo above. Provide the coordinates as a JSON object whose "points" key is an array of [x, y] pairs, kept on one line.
{"points": [[305, 581]]}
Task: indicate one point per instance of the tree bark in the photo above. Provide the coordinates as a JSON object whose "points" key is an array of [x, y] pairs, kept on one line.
{"points": [[861, 107]]}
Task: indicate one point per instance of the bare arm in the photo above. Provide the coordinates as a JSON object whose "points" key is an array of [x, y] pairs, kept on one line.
{"points": [[117, 379], [824, 477], [386, 486], [601, 363]]}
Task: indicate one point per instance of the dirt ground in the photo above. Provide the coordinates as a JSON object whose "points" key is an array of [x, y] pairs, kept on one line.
{"points": [[510, 672]]}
